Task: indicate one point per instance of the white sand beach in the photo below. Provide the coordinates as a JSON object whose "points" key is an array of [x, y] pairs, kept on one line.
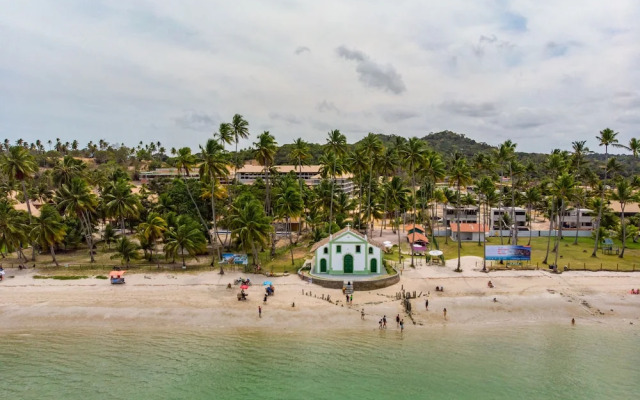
{"points": [[202, 301]]}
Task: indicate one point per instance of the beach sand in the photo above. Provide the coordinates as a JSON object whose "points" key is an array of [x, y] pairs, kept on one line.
{"points": [[184, 300]]}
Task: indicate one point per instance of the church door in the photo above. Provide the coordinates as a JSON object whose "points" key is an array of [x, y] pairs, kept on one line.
{"points": [[348, 264], [323, 265], [374, 265]]}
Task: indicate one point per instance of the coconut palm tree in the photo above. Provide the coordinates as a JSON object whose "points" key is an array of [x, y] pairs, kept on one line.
{"points": [[388, 165], [532, 197], [67, 169], [624, 194], [153, 229], [264, 153], [398, 194], [373, 148], [18, 164], [48, 229], [606, 138], [563, 188], [240, 130], [187, 236], [412, 154], [126, 250], [77, 200], [634, 147], [289, 205], [301, 155], [225, 134], [460, 176], [250, 225], [109, 235], [121, 203], [335, 150], [432, 171], [14, 229]]}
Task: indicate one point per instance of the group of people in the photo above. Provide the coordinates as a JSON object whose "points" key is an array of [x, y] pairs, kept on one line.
{"points": [[270, 290], [636, 291], [439, 288]]}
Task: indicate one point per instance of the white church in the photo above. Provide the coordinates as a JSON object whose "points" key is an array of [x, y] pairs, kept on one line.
{"points": [[348, 252]]}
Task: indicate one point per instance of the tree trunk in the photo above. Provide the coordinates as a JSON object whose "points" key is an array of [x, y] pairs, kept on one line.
{"points": [[204, 224], [26, 200], [413, 184], [530, 226], [290, 239], [384, 216], [122, 226], [331, 206], [551, 216], [53, 255], [559, 238], [398, 231], [84, 220], [302, 215], [458, 225], [215, 236], [575, 242], [624, 233], [182, 253], [604, 187]]}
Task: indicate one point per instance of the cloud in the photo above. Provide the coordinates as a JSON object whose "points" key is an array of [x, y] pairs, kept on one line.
{"points": [[288, 118], [325, 106], [196, 121], [514, 22], [301, 49], [525, 118], [372, 74], [475, 110], [397, 115]]}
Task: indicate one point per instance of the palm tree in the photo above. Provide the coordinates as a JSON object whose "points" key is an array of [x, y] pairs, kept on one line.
{"points": [[397, 193], [240, 130], [19, 165], [266, 147], [250, 225], [335, 150], [14, 228], [624, 194], [76, 199], [433, 170], [388, 164], [186, 236], [412, 153], [300, 155], [532, 197], [634, 147], [153, 229], [109, 235], [126, 250], [373, 148], [289, 204], [48, 229], [213, 167], [606, 138], [121, 203], [224, 134], [563, 188], [460, 176]]}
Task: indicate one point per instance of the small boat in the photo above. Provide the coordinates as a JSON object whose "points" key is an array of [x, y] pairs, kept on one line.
{"points": [[117, 277]]}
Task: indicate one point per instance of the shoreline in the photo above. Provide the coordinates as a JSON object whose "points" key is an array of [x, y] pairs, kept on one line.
{"points": [[201, 301]]}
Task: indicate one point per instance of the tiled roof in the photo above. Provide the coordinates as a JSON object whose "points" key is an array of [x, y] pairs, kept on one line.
{"points": [[340, 233], [466, 227]]}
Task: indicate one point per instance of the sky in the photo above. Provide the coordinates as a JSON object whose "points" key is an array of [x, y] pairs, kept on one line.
{"points": [[541, 73]]}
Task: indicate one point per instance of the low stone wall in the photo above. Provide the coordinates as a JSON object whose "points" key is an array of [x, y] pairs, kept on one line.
{"points": [[338, 283]]}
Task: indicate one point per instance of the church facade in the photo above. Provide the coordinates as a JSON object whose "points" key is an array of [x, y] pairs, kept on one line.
{"points": [[348, 252]]}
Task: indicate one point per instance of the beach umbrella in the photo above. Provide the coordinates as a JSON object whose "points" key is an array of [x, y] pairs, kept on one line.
{"points": [[267, 283], [244, 287], [435, 253]]}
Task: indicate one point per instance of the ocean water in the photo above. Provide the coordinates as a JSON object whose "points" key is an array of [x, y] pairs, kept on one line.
{"points": [[506, 362]]}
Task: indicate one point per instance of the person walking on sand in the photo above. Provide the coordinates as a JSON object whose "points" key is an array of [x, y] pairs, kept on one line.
{"points": [[264, 301], [444, 312], [362, 314], [259, 312], [426, 304], [398, 320], [347, 299], [380, 324], [401, 325], [351, 299], [384, 321]]}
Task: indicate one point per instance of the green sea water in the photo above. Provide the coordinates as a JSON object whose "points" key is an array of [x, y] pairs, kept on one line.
{"points": [[506, 362]]}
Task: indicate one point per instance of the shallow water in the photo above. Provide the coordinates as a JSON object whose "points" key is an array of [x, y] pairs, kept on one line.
{"points": [[525, 362]]}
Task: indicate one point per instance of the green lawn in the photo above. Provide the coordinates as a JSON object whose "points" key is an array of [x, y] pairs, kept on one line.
{"points": [[575, 256]]}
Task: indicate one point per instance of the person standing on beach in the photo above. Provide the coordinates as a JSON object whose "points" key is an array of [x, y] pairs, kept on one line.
{"points": [[351, 299], [398, 320], [265, 299], [259, 312], [444, 312], [384, 321], [380, 324], [362, 314], [426, 304], [401, 325], [347, 299]]}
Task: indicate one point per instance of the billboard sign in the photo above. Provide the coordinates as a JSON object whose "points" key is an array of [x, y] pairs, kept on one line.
{"points": [[518, 253]]}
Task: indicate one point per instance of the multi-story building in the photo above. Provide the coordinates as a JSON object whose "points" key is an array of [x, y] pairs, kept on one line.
{"points": [[520, 217], [466, 214], [582, 216]]}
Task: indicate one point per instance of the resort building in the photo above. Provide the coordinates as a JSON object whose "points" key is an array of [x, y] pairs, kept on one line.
{"points": [[582, 216], [469, 232], [347, 252], [146, 176], [520, 218], [630, 209], [468, 214]]}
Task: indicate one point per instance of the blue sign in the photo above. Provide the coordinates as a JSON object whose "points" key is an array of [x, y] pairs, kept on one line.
{"points": [[517, 253]]}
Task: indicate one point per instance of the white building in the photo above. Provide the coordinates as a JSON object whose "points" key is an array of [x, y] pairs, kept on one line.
{"points": [[467, 214], [520, 218], [469, 232], [347, 253], [582, 216]]}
